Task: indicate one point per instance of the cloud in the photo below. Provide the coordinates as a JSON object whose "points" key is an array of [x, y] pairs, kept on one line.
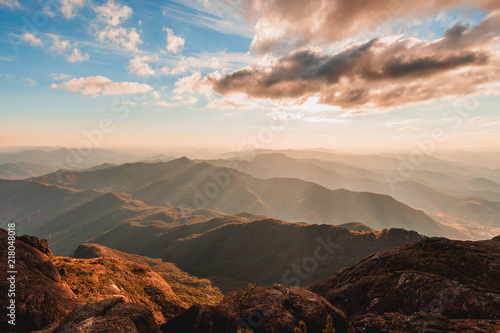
{"points": [[10, 3], [31, 82], [76, 56], [326, 21], [128, 39], [177, 70], [113, 14], [107, 26], [8, 76], [190, 84], [174, 43], [32, 39], [219, 16], [99, 85], [240, 102], [69, 7], [207, 60], [59, 45], [139, 66], [47, 10], [187, 100], [381, 73], [60, 76]]}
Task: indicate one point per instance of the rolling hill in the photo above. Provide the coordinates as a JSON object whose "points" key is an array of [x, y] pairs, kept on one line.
{"points": [[271, 251], [23, 170], [133, 223], [31, 203], [468, 212]]}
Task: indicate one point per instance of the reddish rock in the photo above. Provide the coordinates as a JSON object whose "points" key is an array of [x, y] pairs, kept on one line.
{"points": [[421, 322], [275, 309], [41, 297], [457, 279], [41, 245], [111, 315]]}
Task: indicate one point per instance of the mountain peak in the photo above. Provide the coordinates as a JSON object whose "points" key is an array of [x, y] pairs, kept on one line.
{"points": [[115, 195], [182, 160]]}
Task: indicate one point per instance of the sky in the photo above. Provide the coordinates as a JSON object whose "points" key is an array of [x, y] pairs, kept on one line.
{"points": [[234, 75]]}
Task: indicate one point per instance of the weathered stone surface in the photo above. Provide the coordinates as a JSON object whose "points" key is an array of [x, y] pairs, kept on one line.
{"points": [[275, 309], [111, 315], [421, 322], [41, 296], [436, 276], [41, 245], [97, 279]]}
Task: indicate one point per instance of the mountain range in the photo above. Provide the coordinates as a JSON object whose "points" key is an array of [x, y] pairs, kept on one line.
{"points": [[184, 183]]}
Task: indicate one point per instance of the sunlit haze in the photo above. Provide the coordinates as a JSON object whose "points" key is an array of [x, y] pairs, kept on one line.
{"points": [[233, 75]]}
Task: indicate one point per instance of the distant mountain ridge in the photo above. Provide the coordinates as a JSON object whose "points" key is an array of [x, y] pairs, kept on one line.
{"points": [[183, 182]]}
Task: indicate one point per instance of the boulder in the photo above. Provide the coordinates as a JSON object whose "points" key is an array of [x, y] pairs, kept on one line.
{"points": [[41, 297], [277, 309], [111, 315], [457, 279]]}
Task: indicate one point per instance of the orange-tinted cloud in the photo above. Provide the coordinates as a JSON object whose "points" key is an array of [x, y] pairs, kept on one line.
{"points": [[316, 21], [377, 74]]}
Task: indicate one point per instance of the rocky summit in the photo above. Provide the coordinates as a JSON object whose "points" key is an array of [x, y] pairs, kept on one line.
{"points": [[41, 295], [111, 315], [433, 282], [257, 309]]}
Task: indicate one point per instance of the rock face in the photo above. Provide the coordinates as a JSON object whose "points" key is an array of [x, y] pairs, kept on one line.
{"points": [[455, 279], [421, 322], [277, 309], [42, 297], [111, 315], [101, 278], [41, 245], [190, 289]]}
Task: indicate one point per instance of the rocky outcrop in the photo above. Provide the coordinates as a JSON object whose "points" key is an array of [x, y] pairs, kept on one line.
{"points": [[101, 278], [497, 238], [421, 322], [42, 297], [111, 315], [90, 251], [277, 309], [41, 245], [455, 279]]}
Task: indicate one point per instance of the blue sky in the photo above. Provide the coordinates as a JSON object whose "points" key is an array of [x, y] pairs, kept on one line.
{"points": [[170, 74]]}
